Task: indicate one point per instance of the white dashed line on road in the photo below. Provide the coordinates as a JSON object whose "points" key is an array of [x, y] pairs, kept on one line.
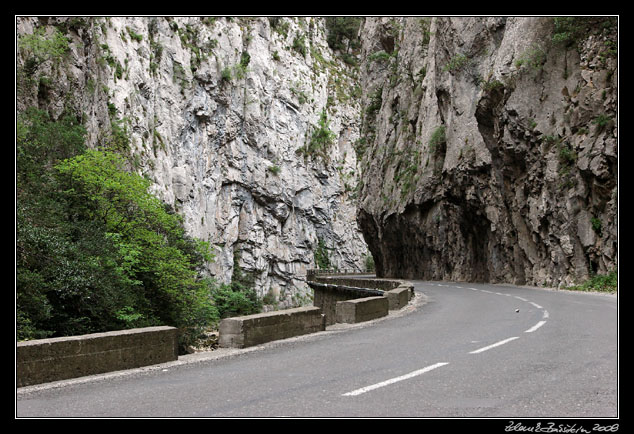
{"points": [[497, 344], [535, 327], [394, 380], [438, 365]]}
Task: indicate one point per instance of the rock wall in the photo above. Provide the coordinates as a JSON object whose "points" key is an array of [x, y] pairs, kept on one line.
{"points": [[464, 148], [489, 148], [218, 113]]}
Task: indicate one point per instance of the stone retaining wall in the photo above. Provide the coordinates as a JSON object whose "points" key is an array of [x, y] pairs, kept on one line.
{"points": [[249, 330], [327, 295], [400, 296], [361, 309], [329, 291], [45, 360]]}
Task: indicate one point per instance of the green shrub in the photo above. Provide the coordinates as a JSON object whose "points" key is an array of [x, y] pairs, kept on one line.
{"points": [[369, 263], [241, 68], [533, 58], [599, 282], [39, 48], [225, 74], [376, 100], [601, 121], [567, 155], [135, 36], [568, 31], [279, 25], [321, 255], [321, 138], [492, 85], [456, 63], [379, 56], [437, 139], [299, 44], [235, 300]]}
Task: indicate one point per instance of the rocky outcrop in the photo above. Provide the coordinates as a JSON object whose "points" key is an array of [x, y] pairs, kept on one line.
{"points": [[489, 148], [464, 148], [219, 113]]}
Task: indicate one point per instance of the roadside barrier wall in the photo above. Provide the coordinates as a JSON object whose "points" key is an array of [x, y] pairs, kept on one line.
{"points": [[330, 290], [361, 309], [249, 330], [327, 295], [46, 360]]}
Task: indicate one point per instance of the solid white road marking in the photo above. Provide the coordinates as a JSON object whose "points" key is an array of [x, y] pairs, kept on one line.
{"points": [[394, 380], [536, 305], [535, 327], [497, 344]]}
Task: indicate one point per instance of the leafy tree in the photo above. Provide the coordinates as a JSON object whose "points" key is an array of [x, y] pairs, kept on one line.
{"points": [[340, 29], [155, 255], [66, 281], [41, 142]]}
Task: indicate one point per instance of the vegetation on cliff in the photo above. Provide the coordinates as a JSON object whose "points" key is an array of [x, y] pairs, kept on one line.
{"points": [[95, 250]]}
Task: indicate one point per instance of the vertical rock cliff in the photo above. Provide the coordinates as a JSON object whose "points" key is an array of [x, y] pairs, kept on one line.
{"points": [[245, 126], [461, 148], [489, 147]]}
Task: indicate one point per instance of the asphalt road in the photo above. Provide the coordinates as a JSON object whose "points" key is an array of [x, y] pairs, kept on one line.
{"points": [[462, 350]]}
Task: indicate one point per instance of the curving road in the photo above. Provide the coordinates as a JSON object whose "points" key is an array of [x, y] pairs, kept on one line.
{"points": [[462, 350]]}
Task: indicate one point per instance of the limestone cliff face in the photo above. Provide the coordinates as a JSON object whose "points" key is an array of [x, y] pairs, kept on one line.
{"points": [[219, 113], [479, 148], [489, 149]]}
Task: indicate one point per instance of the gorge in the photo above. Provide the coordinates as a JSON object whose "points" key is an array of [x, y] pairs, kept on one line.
{"points": [[446, 148]]}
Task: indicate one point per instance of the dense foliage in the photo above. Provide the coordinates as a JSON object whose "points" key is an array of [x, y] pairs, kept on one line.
{"points": [[569, 30], [342, 29]]}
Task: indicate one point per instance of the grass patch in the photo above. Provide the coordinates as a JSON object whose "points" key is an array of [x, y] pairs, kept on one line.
{"points": [[599, 283]]}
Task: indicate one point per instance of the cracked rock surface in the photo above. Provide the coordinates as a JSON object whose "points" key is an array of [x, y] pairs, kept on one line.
{"points": [[491, 150]]}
